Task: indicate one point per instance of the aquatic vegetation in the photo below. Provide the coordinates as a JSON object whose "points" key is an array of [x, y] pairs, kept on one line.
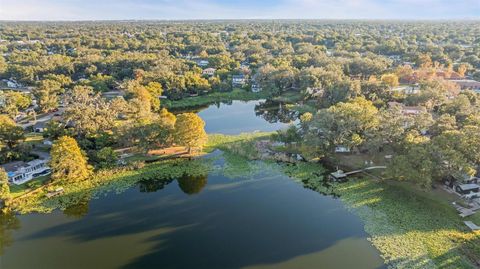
{"points": [[410, 229], [113, 180]]}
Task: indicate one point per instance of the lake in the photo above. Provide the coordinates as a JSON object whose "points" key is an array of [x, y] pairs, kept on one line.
{"points": [[220, 220], [241, 117]]}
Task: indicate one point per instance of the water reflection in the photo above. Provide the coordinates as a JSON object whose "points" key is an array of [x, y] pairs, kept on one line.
{"points": [[78, 209], [234, 223], [8, 223], [192, 184], [153, 185], [273, 111], [240, 117]]}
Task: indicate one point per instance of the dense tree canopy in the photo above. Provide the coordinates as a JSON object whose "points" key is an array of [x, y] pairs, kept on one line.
{"points": [[68, 162], [189, 131]]}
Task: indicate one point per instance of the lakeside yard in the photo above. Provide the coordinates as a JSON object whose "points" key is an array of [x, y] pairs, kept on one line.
{"points": [[411, 227]]}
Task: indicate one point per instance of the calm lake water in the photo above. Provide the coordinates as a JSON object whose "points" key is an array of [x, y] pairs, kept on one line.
{"points": [[265, 220], [241, 117]]}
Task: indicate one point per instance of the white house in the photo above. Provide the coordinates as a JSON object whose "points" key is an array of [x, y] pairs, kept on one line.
{"points": [[209, 72], [342, 149], [407, 89], [11, 83], [256, 87], [238, 80], [21, 172], [201, 62]]}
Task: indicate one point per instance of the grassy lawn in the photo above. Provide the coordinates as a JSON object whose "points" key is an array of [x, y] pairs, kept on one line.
{"points": [[33, 138], [17, 190], [289, 97]]}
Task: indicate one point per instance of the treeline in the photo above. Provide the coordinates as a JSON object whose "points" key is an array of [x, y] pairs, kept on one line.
{"points": [[434, 141]]}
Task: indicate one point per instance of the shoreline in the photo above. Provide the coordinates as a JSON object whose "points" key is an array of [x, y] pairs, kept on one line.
{"points": [[396, 216]]}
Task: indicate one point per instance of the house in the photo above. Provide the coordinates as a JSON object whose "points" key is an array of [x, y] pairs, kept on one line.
{"points": [[407, 110], [208, 72], [407, 89], [11, 83], [20, 172], [467, 84], [201, 62], [342, 149], [238, 80], [256, 87]]}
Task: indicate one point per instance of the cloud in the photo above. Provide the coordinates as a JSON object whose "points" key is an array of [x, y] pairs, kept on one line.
{"points": [[233, 9]]}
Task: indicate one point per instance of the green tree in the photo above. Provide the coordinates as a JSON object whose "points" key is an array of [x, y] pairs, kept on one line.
{"points": [[390, 79], [444, 123], [13, 102], [11, 135], [89, 112], [190, 131], [345, 124], [46, 94], [4, 189], [106, 158], [68, 162], [415, 165]]}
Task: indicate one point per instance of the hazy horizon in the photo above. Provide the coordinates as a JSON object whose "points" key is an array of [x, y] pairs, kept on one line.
{"points": [[181, 10]]}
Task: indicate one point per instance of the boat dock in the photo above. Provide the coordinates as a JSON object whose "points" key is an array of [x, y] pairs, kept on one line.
{"points": [[340, 175]]}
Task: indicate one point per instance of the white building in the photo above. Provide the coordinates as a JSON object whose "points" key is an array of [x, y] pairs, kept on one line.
{"points": [[407, 89], [21, 172], [209, 71], [201, 62], [238, 80], [256, 87]]}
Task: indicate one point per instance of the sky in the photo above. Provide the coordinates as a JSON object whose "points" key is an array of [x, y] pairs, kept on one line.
{"points": [[237, 9]]}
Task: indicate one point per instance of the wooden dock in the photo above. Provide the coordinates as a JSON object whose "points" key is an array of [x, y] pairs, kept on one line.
{"points": [[339, 175]]}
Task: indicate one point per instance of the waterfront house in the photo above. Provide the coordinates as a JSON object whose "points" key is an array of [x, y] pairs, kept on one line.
{"points": [[21, 172], [238, 80], [256, 87]]}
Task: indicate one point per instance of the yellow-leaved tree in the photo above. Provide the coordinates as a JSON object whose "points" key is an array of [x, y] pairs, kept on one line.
{"points": [[390, 79], [190, 131], [68, 162]]}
